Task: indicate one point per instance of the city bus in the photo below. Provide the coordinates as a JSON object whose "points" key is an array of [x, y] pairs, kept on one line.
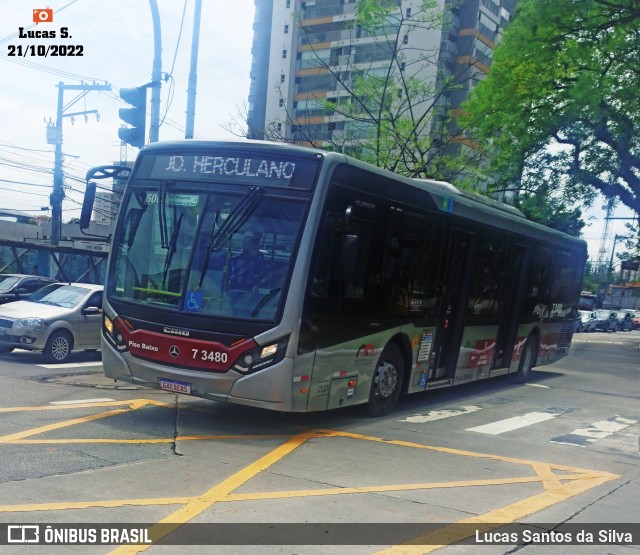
{"points": [[363, 286]]}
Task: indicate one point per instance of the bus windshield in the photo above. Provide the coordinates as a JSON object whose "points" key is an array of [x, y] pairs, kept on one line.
{"points": [[224, 253]]}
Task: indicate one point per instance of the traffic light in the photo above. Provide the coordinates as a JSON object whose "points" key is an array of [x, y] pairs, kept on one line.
{"points": [[136, 116]]}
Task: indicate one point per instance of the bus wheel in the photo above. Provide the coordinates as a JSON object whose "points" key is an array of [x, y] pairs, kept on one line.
{"points": [[387, 382], [527, 360]]}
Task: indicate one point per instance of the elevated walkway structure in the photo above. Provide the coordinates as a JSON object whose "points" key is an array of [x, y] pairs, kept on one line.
{"points": [[26, 248]]}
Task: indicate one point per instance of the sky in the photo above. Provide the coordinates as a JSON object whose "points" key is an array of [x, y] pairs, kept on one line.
{"points": [[117, 43]]}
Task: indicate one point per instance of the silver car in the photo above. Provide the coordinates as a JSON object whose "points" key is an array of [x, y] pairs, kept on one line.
{"points": [[55, 320], [586, 321], [14, 287], [606, 320]]}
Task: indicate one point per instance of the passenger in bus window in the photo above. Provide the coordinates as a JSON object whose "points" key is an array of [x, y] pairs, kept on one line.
{"points": [[246, 269]]}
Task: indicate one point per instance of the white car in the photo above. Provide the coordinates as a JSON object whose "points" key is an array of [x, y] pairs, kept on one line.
{"points": [[55, 320]]}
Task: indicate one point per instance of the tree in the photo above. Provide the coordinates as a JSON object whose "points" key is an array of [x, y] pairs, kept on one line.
{"points": [[551, 212], [389, 98], [561, 103]]}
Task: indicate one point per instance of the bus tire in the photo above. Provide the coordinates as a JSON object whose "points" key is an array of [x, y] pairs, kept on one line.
{"points": [[58, 347], [527, 360], [386, 385]]}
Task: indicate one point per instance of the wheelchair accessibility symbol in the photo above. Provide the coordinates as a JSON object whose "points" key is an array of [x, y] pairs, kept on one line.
{"points": [[193, 302]]}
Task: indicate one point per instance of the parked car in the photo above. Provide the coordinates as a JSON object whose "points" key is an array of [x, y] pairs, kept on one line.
{"points": [[636, 320], [55, 320], [606, 320], [14, 287], [586, 321], [625, 320]]}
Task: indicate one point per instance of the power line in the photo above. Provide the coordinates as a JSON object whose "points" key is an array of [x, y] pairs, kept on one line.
{"points": [[23, 192], [23, 183]]}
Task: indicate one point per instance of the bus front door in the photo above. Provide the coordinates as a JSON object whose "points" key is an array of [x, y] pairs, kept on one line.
{"points": [[460, 254]]}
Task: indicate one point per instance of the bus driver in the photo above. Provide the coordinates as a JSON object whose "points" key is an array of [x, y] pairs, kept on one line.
{"points": [[246, 269]]}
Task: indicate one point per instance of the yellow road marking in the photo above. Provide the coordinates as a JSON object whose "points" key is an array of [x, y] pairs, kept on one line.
{"points": [[494, 519], [143, 441], [559, 482], [550, 480], [133, 404], [42, 429], [219, 492]]}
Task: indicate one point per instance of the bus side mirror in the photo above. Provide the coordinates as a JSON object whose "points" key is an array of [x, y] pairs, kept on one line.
{"points": [[348, 257], [87, 205]]}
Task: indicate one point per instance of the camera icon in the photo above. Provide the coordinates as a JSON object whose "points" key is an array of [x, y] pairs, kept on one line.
{"points": [[42, 15], [23, 533]]}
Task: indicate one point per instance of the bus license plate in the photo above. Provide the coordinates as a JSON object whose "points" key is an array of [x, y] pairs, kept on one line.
{"points": [[177, 387]]}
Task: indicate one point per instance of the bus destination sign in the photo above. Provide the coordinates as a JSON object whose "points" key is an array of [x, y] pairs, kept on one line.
{"points": [[294, 173]]}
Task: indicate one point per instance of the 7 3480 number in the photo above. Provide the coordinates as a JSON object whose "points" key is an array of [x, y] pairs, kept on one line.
{"points": [[211, 356]]}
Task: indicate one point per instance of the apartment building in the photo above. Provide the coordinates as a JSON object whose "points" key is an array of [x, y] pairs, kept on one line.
{"points": [[307, 55]]}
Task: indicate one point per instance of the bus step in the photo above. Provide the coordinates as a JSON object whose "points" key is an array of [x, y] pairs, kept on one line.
{"points": [[439, 383]]}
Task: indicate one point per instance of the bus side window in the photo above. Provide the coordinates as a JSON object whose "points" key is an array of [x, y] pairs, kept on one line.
{"points": [[342, 259], [564, 289], [321, 279], [487, 287], [406, 266], [538, 296]]}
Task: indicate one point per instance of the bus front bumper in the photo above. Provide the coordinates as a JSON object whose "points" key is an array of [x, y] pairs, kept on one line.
{"points": [[270, 388]]}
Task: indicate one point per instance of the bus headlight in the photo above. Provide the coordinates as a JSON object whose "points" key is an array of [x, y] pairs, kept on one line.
{"points": [[113, 333], [262, 357]]}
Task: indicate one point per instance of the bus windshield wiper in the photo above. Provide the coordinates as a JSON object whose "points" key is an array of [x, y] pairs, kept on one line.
{"points": [[236, 218], [162, 213], [171, 249], [234, 221]]}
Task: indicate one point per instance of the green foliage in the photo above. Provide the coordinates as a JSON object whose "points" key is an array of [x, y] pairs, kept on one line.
{"points": [[371, 14], [552, 213], [562, 101], [594, 281]]}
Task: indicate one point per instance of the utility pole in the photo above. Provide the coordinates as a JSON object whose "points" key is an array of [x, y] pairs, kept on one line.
{"points": [[156, 73], [57, 195], [193, 72], [601, 267]]}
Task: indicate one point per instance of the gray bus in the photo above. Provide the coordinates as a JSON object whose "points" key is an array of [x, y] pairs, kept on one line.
{"points": [[296, 279]]}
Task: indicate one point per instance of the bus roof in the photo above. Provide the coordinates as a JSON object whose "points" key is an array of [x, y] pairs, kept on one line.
{"points": [[448, 198], [172, 146]]}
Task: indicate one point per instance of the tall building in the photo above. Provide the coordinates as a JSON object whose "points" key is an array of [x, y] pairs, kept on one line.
{"points": [[307, 54]]}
